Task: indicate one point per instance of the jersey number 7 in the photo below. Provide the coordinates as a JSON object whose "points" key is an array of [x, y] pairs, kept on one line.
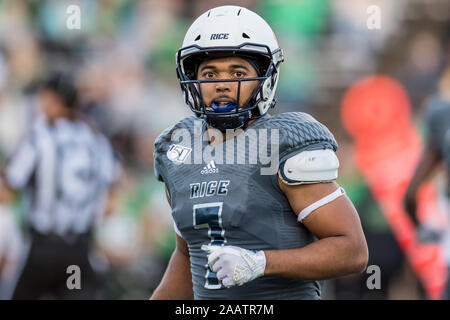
{"points": [[209, 215]]}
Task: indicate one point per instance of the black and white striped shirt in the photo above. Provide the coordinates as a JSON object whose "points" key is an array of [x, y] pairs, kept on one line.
{"points": [[65, 170]]}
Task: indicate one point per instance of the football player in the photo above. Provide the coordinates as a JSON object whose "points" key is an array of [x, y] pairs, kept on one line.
{"points": [[242, 234], [435, 157]]}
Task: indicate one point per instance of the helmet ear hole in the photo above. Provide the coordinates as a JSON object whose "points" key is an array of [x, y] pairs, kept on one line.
{"points": [[244, 35], [198, 37]]}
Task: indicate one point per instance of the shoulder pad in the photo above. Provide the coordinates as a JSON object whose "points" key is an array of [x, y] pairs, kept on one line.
{"points": [[165, 137], [299, 130], [310, 167]]}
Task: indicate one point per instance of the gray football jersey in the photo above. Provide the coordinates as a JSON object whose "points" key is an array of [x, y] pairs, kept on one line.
{"points": [[438, 125], [230, 201]]}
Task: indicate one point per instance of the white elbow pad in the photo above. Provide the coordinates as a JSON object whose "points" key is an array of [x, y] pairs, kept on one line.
{"points": [[310, 167]]}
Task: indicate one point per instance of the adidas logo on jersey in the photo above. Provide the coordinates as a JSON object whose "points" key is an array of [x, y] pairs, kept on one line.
{"points": [[210, 168]]}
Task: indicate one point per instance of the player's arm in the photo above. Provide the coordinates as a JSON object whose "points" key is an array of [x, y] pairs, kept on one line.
{"points": [[324, 209], [341, 248], [429, 162], [176, 283]]}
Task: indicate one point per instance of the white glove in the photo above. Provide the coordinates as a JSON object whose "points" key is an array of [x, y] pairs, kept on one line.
{"points": [[234, 265]]}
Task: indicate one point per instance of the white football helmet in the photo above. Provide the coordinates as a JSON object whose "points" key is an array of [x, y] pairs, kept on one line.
{"points": [[225, 31]]}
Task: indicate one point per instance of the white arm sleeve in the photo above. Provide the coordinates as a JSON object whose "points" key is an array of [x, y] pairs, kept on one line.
{"points": [[331, 197]]}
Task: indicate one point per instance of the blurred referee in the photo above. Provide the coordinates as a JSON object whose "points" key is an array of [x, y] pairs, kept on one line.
{"points": [[64, 169]]}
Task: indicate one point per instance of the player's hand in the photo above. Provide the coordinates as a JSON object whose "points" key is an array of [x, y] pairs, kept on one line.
{"points": [[234, 265]]}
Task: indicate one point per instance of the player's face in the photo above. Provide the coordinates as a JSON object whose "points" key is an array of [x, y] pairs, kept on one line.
{"points": [[224, 92]]}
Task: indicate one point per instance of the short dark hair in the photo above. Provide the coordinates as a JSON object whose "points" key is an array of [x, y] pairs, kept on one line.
{"points": [[62, 84]]}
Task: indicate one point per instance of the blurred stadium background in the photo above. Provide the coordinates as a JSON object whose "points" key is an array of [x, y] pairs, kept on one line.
{"points": [[123, 57]]}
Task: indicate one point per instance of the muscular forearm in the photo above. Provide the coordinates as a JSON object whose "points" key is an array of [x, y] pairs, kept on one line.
{"points": [[327, 258], [177, 280]]}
